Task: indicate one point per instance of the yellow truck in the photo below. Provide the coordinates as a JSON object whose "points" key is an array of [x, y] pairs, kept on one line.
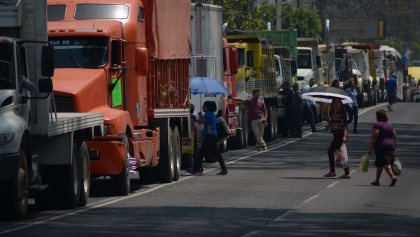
{"points": [[256, 71]]}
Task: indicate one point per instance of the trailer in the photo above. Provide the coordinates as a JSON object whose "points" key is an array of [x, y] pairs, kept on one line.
{"points": [[130, 62], [43, 154]]}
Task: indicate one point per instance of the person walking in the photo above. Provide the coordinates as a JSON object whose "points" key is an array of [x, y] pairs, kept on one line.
{"points": [[392, 91], [287, 98], [210, 139], [307, 107], [384, 142], [258, 116], [352, 107], [297, 110], [338, 124], [335, 84]]}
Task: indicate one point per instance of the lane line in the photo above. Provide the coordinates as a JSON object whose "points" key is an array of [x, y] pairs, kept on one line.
{"points": [[333, 183], [158, 186], [310, 199], [251, 233], [279, 218]]}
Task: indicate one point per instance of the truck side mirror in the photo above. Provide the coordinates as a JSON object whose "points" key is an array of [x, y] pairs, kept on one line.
{"points": [[264, 63], [233, 60], [47, 61], [343, 65], [294, 67], [142, 62], [45, 85], [318, 61]]}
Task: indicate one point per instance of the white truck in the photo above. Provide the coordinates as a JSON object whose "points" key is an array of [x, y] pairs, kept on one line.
{"points": [[394, 66], [42, 153], [308, 61]]}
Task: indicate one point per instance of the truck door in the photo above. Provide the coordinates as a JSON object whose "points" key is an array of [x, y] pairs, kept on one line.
{"points": [[23, 103]]}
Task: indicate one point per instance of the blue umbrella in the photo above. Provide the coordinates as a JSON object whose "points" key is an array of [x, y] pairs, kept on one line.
{"points": [[205, 85]]}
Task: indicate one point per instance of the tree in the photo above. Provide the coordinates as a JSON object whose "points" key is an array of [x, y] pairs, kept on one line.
{"points": [[306, 21]]}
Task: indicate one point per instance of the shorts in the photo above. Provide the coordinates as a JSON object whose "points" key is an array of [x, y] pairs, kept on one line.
{"points": [[392, 98], [384, 156]]}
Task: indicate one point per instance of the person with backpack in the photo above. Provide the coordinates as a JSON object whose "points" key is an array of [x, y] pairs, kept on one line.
{"points": [[210, 139]]}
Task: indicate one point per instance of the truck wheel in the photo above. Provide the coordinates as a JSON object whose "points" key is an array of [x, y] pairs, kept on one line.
{"points": [[166, 167], [85, 184], [14, 199], [245, 127], [360, 100], [121, 181], [238, 140], [268, 132], [69, 191], [177, 154]]}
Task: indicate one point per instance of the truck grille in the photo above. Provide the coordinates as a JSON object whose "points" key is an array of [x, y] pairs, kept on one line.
{"points": [[64, 103]]}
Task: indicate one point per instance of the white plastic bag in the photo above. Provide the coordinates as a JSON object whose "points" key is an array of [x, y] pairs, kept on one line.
{"points": [[342, 157], [199, 135], [396, 167]]}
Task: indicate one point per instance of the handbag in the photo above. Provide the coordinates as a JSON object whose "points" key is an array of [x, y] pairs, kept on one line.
{"points": [[364, 163], [342, 157], [396, 167], [222, 129]]}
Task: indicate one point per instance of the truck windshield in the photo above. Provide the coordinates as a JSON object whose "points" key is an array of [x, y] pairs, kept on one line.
{"points": [[241, 57], [304, 60], [354, 64], [80, 52], [100, 11], [7, 69]]}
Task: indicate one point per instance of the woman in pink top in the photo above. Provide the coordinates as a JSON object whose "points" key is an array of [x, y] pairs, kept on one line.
{"points": [[384, 142]]}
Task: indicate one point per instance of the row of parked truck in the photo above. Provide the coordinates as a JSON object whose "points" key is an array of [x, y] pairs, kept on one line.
{"points": [[101, 88]]}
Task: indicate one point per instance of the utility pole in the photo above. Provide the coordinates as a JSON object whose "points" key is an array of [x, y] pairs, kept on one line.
{"points": [[278, 20]]}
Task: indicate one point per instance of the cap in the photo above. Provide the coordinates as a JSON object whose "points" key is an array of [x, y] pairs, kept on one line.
{"points": [[394, 76]]}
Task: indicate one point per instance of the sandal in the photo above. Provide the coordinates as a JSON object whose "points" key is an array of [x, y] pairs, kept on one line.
{"points": [[345, 176], [330, 174]]}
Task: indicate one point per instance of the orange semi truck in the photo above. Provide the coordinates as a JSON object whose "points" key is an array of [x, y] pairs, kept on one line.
{"points": [[128, 60]]}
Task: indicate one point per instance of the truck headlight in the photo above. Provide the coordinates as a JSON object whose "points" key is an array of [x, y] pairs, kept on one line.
{"points": [[5, 138]]}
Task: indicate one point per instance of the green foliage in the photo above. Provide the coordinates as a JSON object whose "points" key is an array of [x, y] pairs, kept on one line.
{"points": [[246, 15]]}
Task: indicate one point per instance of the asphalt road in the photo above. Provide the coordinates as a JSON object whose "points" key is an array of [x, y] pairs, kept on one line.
{"points": [[278, 192]]}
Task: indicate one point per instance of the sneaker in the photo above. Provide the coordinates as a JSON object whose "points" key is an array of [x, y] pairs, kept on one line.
{"points": [[356, 132], [316, 130], [389, 107], [223, 172], [264, 148], [259, 149], [191, 171], [199, 173]]}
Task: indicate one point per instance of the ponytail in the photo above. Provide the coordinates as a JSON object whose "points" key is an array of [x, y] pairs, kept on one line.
{"points": [[211, 105]]}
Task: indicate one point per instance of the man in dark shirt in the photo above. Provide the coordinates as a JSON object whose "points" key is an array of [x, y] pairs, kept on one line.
{"points": [[258, 116], [297, 110], [287, 96]]}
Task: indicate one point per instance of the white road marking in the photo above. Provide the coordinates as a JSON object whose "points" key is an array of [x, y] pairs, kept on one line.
{"points": [[279, 218], [158, 186], [333, 183], [367, 109], [251, 233], [310, 199], [351, 172]]}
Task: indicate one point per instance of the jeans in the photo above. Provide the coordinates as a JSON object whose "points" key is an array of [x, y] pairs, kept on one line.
{"points": [[209, 145], [335, 146], [353, 113], [258, 129], [289, 120], [309, 116], [298, 122]]}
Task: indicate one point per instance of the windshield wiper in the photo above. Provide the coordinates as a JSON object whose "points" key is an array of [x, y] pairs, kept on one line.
{"points": [[74, 60]]}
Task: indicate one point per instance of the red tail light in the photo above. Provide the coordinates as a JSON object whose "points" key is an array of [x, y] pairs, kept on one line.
{"points": [[417, 87]]}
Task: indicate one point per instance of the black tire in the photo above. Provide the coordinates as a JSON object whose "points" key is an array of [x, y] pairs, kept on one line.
{"points": [[69, 190], [245, 127], [187, 160], [238, 140], [85, 181], [121, 181], [147, 175], [166, 167], [269, 130], [177, 154], [15, 193], [360, 100]]}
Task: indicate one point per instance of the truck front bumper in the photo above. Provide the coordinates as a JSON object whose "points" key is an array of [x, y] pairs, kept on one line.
{"points": [[9, 165], [111, 158]]}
